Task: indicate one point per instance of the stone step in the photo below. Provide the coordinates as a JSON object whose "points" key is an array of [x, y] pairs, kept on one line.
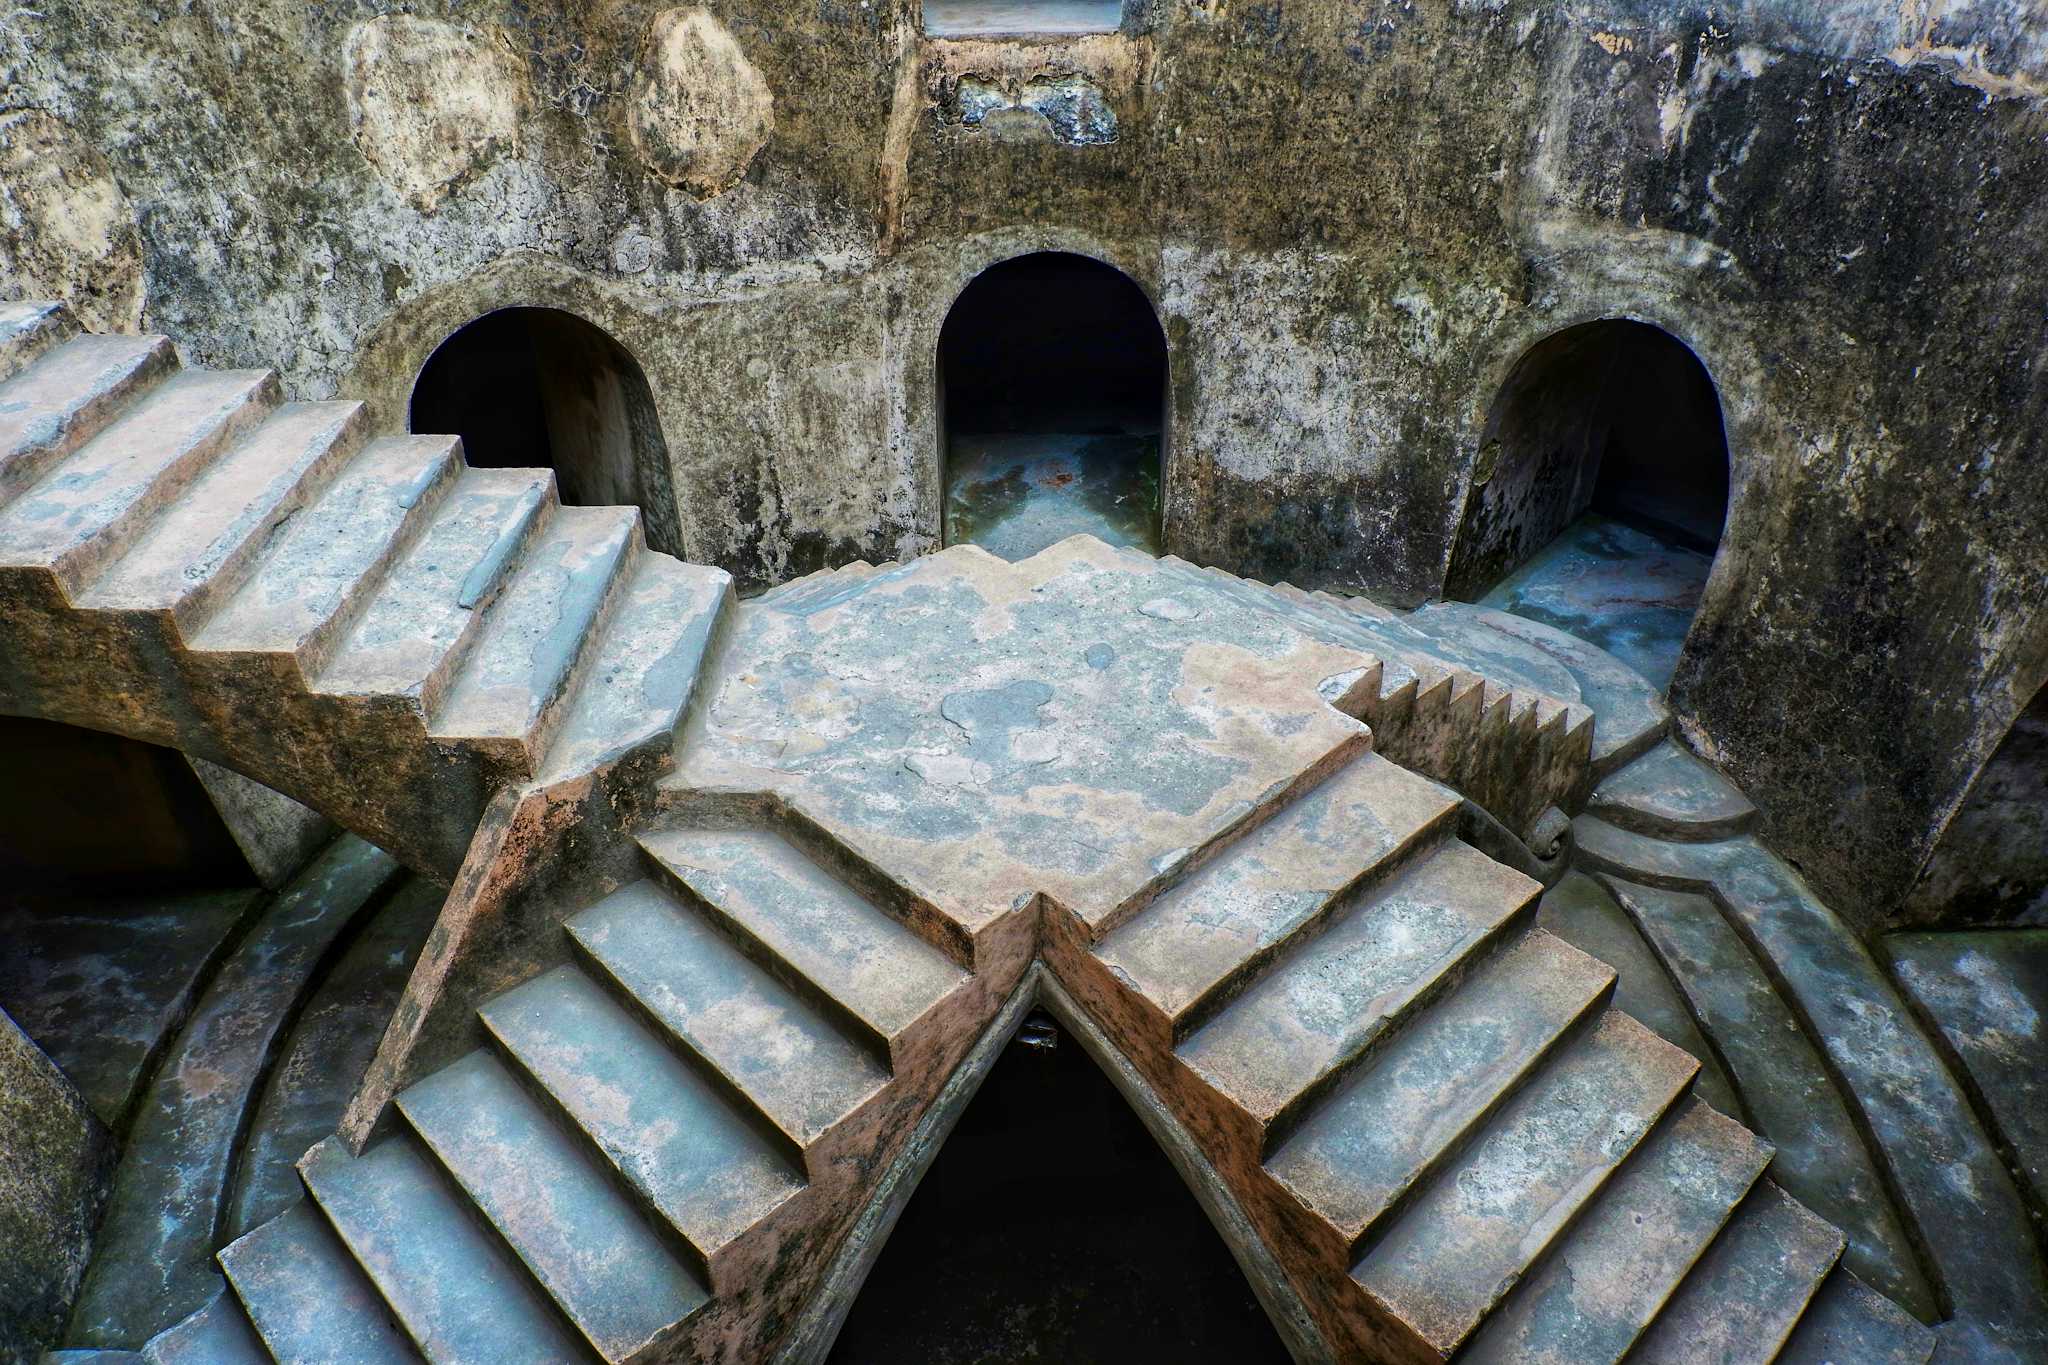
{"points": [[535, 632], [217, 1334], [1749, 1291], [1614, 1271], [313, 566], [875, 976], [198, 544], [586, 1243], [644, 669], [28, 329], [1849, 1323], [409, 635], [307, 1297], [799, 1072], [1822, 1159], [1194, 947], [1487, 1218], [86, 509], [1373, 1143], [1672, 795], [460, 1295], [1334, 1000], [68, 396], [663, 1127]]}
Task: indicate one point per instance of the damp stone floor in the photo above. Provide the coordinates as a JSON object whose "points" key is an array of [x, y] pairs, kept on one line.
{"points": [[1612, 585], [1015, 494], [974, 18]]}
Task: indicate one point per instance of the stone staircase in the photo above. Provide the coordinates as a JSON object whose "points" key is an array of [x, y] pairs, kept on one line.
{"points": [[367, 625]]}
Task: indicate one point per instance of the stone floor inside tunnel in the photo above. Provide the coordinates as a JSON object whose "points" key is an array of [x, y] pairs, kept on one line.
{"points": [[1015, 494]]}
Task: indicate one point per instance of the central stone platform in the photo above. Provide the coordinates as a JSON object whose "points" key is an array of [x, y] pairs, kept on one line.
{"points": [[1076, 724]]}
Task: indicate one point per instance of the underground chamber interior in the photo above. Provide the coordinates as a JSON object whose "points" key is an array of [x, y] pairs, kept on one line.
{"points": [[987, 18], [1052, 1227], [540, 387], [1600, 492], [1052, 382]]}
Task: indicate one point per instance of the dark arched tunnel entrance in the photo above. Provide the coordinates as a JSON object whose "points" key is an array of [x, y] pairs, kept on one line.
{"points": [[1052, 394]]}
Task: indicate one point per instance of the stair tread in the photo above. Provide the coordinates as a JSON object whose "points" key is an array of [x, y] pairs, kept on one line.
{"points": [[248, 489], [28, 329], [1476, 1229], [878, 970], [307, 1298], [664, 1127], [305, 573], [1612, 1273], [1849, 1323], [1747, 1293], [218, 1333], [68, 391], [645, 666], [583, 1240], [1374, 1140], [103, 481], [1341, 991], [804, 1074], [1180, 950], [533, 632], [459, 1293], [1668, 792], [417, 614]]}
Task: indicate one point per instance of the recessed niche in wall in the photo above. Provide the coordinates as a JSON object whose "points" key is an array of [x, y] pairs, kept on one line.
{"points": [[1052, 383], [991, 18], [539, 386], [1600, 492]]}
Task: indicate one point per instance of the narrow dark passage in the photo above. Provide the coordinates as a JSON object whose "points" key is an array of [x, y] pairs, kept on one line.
{"points": [[1052, 1228]]}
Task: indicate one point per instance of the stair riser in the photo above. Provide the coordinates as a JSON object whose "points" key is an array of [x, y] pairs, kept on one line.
{"points": [[29, 332], [915, 913], [30, 463], [77, 567], [1398, 861], [487, 580]]}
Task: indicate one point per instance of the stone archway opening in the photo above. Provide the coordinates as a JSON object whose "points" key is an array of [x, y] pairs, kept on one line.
{"points": [[1051, 1226], [1052, 402], [1601, 490], [529, 387]]}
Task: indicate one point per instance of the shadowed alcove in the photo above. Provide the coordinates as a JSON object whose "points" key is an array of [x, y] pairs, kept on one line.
{"points": [[1051, 1227], [1991, 866], [1600, 492], [539, 386], [1052, 383]]}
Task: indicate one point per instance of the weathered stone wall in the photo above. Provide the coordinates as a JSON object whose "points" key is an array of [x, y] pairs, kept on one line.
{"points": [[1354, 215]]}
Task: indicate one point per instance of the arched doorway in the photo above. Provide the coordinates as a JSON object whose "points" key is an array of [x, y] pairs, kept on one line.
{"points": [[1052, 402], [539, 386], [1600, 493]]}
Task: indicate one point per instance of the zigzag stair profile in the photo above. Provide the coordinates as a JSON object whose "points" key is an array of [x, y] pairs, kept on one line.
{"points": [[1428, 1109]]}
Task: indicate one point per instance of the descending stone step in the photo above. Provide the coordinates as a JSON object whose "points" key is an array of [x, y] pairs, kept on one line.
{"points": [[812, 929], [1848, 1323], [1747, 1293], [28, 329], [410, 634], [1484, 1220], [1672, 795], [645, 668], [1332, 1001], [1614, 1271], [196, 545], [68, 395], [1373, 1142], [86, 508], [586, 1244], [1822, 1159], [536, 630], [459, 1294], [314, 564], [217, 1334], [802, 1074], [1186, 953], [660, 1124], [307, 1299]]}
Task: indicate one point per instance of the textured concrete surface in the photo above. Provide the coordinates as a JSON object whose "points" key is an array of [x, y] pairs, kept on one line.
{"points": [[1672, 795]]}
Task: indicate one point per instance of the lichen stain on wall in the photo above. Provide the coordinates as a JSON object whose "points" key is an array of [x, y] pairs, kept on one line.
{"points": [[432, 103], [698, 112], [66, 230]]}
